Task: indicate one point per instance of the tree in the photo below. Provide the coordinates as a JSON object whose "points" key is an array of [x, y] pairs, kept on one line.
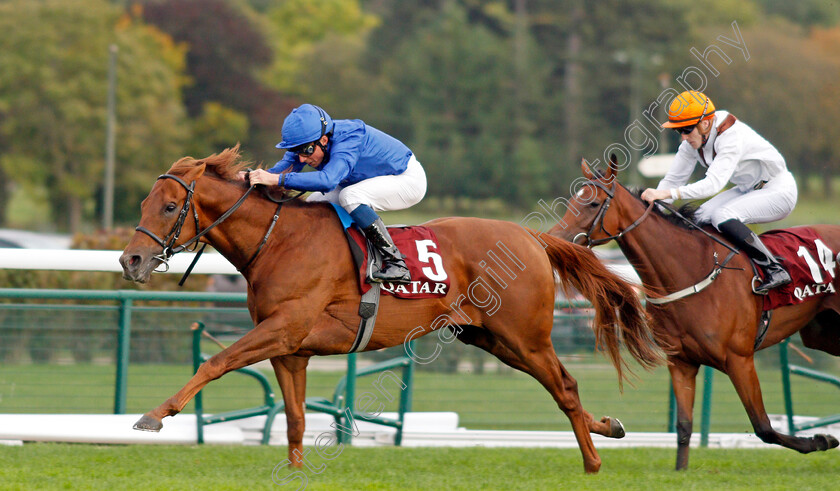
{"points": [[804, 12], [53, 79], [299, 26], [321, 54], [458, 119], [227, 48]]}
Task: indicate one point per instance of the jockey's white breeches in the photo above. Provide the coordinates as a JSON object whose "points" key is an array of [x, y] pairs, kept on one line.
{"points": [[382, 193], [774, 201]]}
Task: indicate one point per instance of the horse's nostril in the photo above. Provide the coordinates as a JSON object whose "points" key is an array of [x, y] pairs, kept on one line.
{"points": [[134, 261]]}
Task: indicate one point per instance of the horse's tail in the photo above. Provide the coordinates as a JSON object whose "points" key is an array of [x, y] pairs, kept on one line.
{"points": [[619, 315]]}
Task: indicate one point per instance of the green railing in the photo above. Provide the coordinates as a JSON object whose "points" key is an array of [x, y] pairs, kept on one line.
{"points": [[125, 299], [126, 306], [341, 407], [787, 370]]}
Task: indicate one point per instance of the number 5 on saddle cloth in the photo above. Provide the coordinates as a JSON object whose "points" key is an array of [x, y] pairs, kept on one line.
{"points": [[423, 259]]}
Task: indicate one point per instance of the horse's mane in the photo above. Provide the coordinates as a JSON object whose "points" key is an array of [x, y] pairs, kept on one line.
{"points": [[687, 210], [225, 164]]}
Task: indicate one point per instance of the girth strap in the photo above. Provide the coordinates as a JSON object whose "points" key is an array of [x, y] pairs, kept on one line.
{"points": [[369, 304], [368, 308]]}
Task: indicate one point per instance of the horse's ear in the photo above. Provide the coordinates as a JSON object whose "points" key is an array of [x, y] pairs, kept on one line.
{"points": [[612, 167], [195, 172], [587, 172]]}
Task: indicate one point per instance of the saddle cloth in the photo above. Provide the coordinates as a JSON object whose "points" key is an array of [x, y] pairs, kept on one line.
{"points": [[811, 263], [429, 278]]}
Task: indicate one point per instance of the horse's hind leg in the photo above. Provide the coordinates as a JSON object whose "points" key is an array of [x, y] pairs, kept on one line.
{"points": [[741, 370], [537, 358], [481, 338], [546, 368], [291, 375]]}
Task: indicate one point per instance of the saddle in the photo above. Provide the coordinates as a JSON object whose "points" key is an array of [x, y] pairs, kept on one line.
{"points": [[422, 257], [809, 261]]}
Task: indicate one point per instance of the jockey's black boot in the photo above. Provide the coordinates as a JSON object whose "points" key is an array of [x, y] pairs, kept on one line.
{"points": [[393, 262], [775, 274]]}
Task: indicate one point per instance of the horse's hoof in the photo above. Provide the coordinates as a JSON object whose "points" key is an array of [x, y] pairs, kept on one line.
{"points": [[616, 428], [148, 423], [825, 442]]}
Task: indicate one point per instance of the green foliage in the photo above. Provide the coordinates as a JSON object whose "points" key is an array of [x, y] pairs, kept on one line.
{"points": [[53, 86], [470, 109], [228, 47], [720, 13], [300, 26], [805, 12], [792, 113], [499, 100], [216, 128]]}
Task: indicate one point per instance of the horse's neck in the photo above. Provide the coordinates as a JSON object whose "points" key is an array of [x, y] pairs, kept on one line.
{"points": [[239, 236], [663, 254]]}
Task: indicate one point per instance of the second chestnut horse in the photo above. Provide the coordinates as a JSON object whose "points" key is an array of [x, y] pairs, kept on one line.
{"points": [[716, 326]]}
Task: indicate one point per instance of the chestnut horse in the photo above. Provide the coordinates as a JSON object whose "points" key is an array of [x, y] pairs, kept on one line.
{"points": [[303, 291], [716, 326]]}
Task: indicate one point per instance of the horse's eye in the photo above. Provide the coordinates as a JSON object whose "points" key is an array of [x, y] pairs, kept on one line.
{"points": [[594, 204], [170, 207]]}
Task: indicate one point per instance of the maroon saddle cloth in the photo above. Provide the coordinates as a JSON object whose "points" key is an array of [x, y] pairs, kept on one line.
{"points": [[811, 263], [429, 278]]}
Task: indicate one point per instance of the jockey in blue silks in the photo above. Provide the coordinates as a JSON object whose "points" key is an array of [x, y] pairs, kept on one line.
{"points": [[358, 167]]}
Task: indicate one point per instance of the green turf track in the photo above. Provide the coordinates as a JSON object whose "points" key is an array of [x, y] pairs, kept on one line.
{"points": [[62, 466]]}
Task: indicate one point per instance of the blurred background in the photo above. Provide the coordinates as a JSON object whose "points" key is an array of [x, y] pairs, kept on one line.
{"points": [[499, 100]]}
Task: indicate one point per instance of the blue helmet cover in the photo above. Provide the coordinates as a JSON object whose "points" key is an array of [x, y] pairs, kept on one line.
{"points": [[305, 124]]}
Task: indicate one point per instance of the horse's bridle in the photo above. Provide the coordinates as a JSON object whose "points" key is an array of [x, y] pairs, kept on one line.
{"points": [[598, 221], [168, 242]]}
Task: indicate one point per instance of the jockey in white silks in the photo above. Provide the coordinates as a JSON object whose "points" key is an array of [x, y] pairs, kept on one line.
{"points": [[731, 151]]}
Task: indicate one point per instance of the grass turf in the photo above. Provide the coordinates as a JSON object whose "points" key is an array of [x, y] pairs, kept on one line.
{"points": [[63, 466]]}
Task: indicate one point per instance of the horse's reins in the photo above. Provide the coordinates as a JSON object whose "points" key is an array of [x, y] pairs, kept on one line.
{"points": [[168, 242], [599, 221]]}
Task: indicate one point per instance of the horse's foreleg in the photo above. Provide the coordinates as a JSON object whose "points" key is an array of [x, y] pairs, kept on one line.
{"points": [[291, 375], [684, 379], [267, 340], [741, 371]]}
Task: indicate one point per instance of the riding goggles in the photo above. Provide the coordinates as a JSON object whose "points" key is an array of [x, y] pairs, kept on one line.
{"points": [[685, 130], [305, 149]]}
